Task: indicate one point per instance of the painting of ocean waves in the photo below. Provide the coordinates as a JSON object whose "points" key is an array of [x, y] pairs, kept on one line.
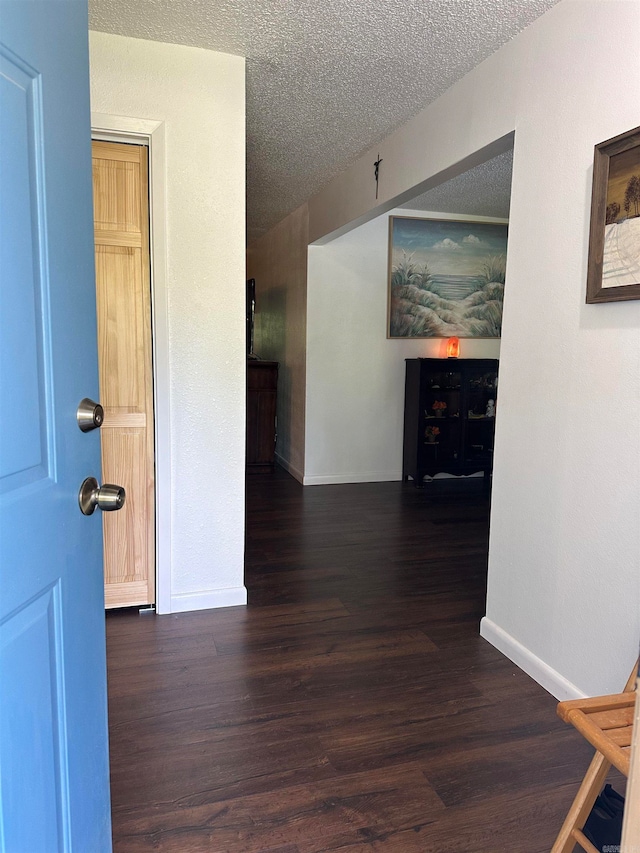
{"points": [[446, 278]]}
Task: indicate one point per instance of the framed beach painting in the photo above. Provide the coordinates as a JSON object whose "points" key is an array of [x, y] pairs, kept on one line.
{"points": [[446, 278], [613, 270]]}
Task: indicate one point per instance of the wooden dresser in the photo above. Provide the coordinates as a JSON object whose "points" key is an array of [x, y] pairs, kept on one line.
{"points": [[262, 384]]}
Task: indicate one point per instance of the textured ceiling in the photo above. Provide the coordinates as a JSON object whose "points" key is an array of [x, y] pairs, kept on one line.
{"points": [[482, 191], [326, 79]]}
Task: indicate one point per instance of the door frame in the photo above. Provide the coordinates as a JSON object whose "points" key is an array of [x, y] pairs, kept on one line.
{"points": [[113, 128]]}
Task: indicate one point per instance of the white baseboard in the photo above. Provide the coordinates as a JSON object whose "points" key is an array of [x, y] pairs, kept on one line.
{"points": [[291, 469], [187, 601], [540, 671], [342, 479]]}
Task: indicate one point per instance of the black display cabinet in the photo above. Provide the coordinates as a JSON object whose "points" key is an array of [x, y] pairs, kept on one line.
{"points": [[449, 416]]}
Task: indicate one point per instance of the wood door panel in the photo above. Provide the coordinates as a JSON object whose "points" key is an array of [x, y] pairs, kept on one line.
{"points": [[126, 382], [121, 329], [123, 457], [125, 540], [117, 187]]}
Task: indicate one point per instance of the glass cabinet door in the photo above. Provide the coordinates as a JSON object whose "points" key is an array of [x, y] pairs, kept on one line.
{"points": [[442, 407], [481, 400]]}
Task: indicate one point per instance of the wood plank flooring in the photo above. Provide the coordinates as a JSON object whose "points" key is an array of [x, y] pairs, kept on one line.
{"points": [[350, 707]]}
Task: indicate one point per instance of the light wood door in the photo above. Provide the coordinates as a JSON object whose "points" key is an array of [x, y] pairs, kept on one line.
{"points": [[121, 219]]}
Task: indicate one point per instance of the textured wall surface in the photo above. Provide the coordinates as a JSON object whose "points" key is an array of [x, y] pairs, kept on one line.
{"points": [[564, 553], [199, 95], [325, 80], [355, 376], [278, 262]]}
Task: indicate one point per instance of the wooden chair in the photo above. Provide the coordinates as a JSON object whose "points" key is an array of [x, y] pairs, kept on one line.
{"points": [[607, 723]]}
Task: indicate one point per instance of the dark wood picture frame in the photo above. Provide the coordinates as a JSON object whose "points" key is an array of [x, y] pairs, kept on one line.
{"points": [[603, 153]]}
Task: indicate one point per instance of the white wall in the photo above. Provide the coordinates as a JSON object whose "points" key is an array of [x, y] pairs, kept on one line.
{"points": [[199, 97], [355, 376], [564, 578]]}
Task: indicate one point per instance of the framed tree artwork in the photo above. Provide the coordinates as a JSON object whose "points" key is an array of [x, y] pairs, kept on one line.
{"points": [[613, 271], [446, 278]]}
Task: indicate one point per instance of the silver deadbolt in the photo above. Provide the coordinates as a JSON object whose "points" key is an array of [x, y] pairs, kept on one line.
{"points": [[107, 498], [90, 415]]}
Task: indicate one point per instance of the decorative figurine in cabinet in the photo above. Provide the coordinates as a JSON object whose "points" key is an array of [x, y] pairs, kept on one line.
{"points": [[449, 417]]}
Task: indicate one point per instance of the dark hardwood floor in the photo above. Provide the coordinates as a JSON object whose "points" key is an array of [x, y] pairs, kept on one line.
{"points": [[352, 706]]}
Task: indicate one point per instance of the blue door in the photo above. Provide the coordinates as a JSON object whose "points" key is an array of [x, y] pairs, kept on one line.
{"points": [[54, 793]]}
